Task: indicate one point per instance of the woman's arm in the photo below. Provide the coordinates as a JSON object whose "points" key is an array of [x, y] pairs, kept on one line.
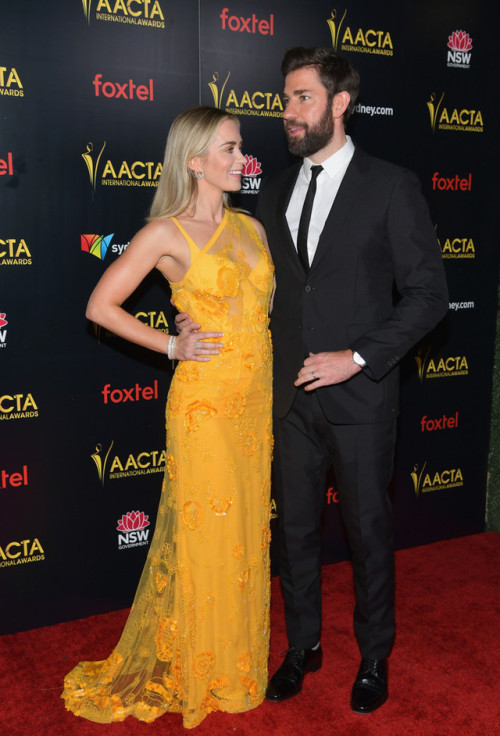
{"points": [[156, 245]]}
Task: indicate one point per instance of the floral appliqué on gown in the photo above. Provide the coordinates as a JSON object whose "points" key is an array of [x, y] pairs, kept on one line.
{"points": [[197, 636]]}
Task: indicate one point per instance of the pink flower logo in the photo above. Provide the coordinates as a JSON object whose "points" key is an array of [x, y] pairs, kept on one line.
{"points": [[460, 41], [252, 167], [3, 321], [132, 521]]}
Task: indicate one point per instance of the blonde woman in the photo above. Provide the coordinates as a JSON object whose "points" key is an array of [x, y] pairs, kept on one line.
{"points": [[197, 636]]}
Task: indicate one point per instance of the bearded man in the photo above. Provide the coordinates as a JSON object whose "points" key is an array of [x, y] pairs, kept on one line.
{"points": [[359, 281]]}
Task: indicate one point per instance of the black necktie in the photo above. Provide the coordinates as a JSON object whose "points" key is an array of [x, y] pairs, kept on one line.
{"points": [[306, 217]]}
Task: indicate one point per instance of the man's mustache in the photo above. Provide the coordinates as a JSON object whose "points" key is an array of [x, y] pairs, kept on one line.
{"points": [[295, 124]]}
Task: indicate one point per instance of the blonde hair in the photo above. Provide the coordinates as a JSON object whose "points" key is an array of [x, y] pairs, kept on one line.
{"points": [[190, 135]]}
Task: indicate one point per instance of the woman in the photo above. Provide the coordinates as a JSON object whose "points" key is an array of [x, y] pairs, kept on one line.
{"points": [[197, 636]]}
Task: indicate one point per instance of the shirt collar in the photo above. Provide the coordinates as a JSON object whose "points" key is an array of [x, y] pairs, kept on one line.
{"points": [[334, 163]]}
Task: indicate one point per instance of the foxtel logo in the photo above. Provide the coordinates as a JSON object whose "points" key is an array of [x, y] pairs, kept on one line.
{"points": [[128, 90], [251, 24], [444, 422], [136, 393], [454, 183]]}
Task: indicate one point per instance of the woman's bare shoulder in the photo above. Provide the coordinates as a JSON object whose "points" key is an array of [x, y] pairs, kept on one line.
{"points": [[158, 235]]}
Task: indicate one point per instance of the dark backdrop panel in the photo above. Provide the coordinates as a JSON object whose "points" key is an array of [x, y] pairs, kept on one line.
{"points": [[84, 121], [93, 84]]}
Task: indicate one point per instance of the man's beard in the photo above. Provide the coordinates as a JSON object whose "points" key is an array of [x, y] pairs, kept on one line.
{"points": [[314, 139]]}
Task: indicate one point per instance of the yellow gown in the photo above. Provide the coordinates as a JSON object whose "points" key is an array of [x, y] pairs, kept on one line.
{"points": [[197, 636]]}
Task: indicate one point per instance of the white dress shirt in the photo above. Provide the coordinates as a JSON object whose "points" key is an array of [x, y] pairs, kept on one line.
{"points": [[328, 183]]}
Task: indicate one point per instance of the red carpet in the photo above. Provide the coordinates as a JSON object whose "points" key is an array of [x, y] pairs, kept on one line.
{"points": [[444, 670]]}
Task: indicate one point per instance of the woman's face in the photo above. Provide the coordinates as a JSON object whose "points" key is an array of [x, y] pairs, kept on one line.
{"points": [[223, 163]]}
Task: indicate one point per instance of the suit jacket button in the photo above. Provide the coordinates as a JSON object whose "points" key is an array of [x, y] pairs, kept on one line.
{"points": [[307, 288]]}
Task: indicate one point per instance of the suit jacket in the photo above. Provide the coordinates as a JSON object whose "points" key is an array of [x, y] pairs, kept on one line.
{"points": [[376, 285]]}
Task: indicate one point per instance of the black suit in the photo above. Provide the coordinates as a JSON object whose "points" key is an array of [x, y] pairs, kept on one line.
{"points": [[377, 236]]}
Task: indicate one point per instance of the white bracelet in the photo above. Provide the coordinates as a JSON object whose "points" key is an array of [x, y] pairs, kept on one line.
{"points": [[171, 347]]}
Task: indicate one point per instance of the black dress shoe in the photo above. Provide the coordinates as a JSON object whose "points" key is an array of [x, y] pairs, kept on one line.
{"points": [[288, 678], [369, 691]]}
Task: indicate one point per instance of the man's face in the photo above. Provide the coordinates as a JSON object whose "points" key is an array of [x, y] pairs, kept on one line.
{"points": [[308, 117]]}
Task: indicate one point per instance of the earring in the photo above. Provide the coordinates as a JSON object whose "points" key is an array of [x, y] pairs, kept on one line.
{"points": [[199, 174]]}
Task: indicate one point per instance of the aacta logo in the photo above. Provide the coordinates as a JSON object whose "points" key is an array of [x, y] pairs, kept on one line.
{"points": [[454, 248], [249, 25], [251, 176], [124, 174], [454, 365], [459, 45], [14, 252], [262, 104], [97, 245], [19, 553], [456, 119], [158, 320], [136, 393], [442, 480], [364, 41], [18, 406], [14, 480], [133, 531], [3, 332], [444, 422], [135, 12], [10, 83], [455, 183], [142, 463], [128, 90]]}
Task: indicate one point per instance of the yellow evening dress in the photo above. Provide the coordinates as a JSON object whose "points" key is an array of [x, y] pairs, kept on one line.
{"points": [[197, 636]]}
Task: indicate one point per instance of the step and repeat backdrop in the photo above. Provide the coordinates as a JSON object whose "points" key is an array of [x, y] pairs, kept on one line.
{"points": [[88, 90]]}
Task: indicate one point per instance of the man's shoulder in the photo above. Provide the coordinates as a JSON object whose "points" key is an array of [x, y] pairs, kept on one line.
{"points": [[365, 163]]}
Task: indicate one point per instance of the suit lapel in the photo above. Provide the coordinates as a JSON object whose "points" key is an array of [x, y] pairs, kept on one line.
{"points": [[349, 191]]}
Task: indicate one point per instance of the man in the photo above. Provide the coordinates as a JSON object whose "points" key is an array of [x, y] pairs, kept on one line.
{"points": [[338, 334]]}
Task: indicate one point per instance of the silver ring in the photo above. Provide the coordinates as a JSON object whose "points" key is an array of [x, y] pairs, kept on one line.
{"points": [[314, 375], [197, 344]]}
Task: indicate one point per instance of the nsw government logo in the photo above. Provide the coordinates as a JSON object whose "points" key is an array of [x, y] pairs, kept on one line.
{"points": [[251, 176], [459, 47], [133, 530], [3, 331]]}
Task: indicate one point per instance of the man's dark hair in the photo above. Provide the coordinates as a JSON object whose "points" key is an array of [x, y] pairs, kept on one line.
{"points": [[335, 72]]}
